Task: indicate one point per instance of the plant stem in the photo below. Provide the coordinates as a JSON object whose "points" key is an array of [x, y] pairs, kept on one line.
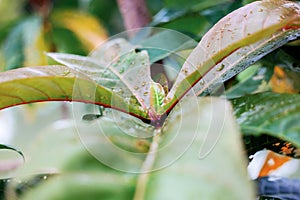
{"points": [[147, 167], [42, 7], [134, 13]]}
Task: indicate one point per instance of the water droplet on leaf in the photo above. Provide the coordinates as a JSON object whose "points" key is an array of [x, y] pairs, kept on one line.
{"points": [[221, 67]]}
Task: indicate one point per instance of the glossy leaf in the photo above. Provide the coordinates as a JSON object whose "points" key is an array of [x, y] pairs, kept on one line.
{"points": [[116, 66], [183, 171], [269, 113], [57, 83], [227, 49]]}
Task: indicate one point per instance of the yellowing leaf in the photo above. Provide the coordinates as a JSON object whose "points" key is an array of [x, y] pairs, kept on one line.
{"points": [[284, 82], [86, 27]]}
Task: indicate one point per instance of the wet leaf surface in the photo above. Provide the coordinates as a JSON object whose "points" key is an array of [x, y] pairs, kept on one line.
{"points": [[269, 113]]}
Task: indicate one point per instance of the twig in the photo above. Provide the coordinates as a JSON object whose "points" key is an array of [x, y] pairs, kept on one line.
{"points": [[147, 167], [134, 13]]}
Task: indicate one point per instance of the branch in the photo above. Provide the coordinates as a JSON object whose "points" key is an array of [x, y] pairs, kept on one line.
{"points": [[135, 13]]}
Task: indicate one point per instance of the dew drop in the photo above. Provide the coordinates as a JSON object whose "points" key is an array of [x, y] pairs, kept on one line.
{"points": [[66, 72], [146, 93], [282, 17], [221, 67], [185, 71], [136, 88], [143, 83], [132, 100], [121, 71]]}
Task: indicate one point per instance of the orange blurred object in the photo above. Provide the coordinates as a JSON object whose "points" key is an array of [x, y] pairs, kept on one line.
{"points": [[283, 81]]}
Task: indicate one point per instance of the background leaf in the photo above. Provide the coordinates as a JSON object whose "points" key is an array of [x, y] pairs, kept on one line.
{"points": [[86, 27], [254, 79], [25, 46], [193, 4], [269, 113], [65, 41], [285, 81], [11, 10], [165, 43]]}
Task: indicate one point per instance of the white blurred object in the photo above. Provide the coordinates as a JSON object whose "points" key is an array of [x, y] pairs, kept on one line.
{"points": [[268, 163], [7, 124]]}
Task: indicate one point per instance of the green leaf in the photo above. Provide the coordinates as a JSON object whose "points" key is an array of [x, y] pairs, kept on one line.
{"points": [[189, 162], [76, 167], [66, 42], [102, 145], [58, 83], [166, 15], [87, 163], [250, 81], [25, 44], [157, 95], [165, 43], [269, 113], [194, 5], [194, 25], [92, 186], [227, 49], [116, 66]]}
